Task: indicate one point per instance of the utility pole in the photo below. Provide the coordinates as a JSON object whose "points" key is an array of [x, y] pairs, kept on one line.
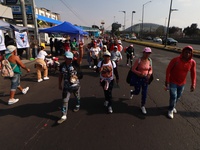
{"points": [[23, 9], [36, 34]]}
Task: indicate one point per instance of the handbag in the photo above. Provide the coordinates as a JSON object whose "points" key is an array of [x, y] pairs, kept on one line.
{"points": [[150, 79], [134, 79]]}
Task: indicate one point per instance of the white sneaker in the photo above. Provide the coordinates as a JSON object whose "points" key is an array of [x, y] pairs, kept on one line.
{"points": [[174, 110], [110, 110], [25, 90], [106, 103], [131, 94], [12, 101], [170, 114], [95, 67], [143, 110], [46, 78], [90, 66], [62, 119], [40, 80]]}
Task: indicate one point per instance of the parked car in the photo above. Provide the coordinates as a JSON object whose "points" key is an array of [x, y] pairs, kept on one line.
{"points": [[133, 38], [157, 39], [148, 38], [170, 41]]}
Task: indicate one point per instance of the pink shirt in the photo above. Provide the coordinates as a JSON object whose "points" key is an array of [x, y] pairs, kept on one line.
{"points": [[142, 67]]}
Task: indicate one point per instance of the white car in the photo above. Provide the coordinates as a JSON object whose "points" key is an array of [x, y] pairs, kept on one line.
{"points": [[157, 39], [133, 38]]}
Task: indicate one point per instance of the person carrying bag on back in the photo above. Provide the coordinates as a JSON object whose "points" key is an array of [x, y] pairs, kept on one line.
{"points": [[17, 64]]}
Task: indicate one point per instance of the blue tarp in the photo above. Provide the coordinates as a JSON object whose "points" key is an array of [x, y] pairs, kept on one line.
{"points": [[39, 17], [64, 28]]}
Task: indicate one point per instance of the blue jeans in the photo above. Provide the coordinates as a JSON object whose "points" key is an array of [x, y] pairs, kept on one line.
{"points": [[15, 81], [141, 83], [175, 94]]}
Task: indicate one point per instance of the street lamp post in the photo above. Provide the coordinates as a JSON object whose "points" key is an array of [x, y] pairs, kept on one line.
{"points": [[124, 19], [143, 15], [132, 21], [167, 32]]}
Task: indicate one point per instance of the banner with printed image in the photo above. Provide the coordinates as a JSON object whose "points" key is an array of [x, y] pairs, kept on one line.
{"points": [[22, 39], [2, 43]]}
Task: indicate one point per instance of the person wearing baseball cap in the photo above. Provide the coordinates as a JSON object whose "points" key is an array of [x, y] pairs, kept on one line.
{"points": [[71, 84], [107, 69], [143, 69], [16, 64]]}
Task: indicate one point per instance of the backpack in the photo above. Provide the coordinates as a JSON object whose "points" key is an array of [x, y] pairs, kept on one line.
{"points": [[7, 70]]}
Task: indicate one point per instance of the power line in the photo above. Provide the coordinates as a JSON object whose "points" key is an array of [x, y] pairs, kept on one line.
{"points": [[74, 12]]}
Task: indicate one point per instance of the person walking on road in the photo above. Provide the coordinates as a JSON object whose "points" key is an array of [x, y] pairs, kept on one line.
{"points": [[116, 55], [143, 70], [16, 63], [94, 53], [41, 64], [176, 74], [130, 54], [107, 69], [71, 85]]}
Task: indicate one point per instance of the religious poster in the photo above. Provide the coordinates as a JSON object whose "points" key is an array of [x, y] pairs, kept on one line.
{"points": [[22, 39]]}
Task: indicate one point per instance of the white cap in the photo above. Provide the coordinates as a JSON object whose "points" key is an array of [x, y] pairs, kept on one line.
{"points": [[10, 49], [107, 53]]}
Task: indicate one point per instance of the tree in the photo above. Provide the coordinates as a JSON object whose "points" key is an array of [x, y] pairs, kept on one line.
{"points": [[192, 30], [115, 27]]}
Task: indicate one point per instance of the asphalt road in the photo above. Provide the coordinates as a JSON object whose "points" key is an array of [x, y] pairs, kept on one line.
{"points": [[30, 124]]}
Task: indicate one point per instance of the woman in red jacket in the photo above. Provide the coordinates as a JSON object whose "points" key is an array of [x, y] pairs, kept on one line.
{"points": [[176, 74]]}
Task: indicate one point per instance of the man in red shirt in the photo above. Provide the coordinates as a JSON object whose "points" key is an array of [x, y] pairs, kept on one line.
{"points": [[176, 74]]}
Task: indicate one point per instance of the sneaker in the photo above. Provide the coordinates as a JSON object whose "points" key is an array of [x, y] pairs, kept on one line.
{"points": [[90, 67], [95, 67], [12, 101], [40, 80], [62, 119], [170, 114], [110, 111], [46, 78], [131, 94], [106, 103], [24, 91], [143, 110], [174, 110], [76, 108]]}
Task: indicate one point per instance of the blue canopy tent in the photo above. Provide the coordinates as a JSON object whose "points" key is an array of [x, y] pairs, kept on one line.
{"points": [[43, 18], [64, 28]]}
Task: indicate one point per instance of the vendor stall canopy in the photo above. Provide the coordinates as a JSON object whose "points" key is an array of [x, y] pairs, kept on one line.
{"points": [[7, 26]]}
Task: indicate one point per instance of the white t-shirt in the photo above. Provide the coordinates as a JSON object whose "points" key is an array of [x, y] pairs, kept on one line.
{"points": [[107, 72], [95, 52], [42, 54]]}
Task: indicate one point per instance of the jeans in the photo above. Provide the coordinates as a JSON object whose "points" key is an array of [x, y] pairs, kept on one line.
{"points": [[15, 82], [141, 83], [175, 94], [66, 96]]}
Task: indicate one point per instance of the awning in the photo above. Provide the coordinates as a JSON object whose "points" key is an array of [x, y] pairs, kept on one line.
{"points": [[39, 17]]}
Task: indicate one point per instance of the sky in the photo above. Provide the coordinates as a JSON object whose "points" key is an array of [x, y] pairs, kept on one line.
{"points": [[93, 12]]}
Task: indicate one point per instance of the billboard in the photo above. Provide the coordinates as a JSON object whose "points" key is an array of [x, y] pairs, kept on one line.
{"points": [[17, 2], [16, 10]]}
